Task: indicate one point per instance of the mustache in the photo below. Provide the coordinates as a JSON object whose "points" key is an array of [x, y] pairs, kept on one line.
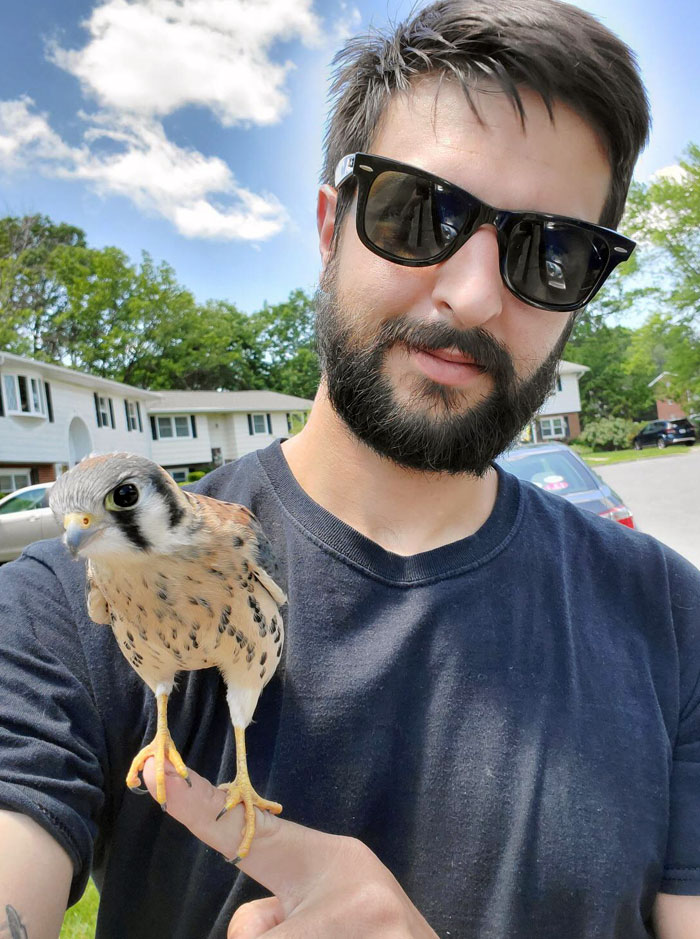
{"points": [[477, 344]]}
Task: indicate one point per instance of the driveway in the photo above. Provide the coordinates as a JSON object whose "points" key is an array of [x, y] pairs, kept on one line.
{"points": [[664, 496]]}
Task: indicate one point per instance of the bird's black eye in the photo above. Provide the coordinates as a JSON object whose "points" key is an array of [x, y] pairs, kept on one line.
{"points": [[124, 496]]}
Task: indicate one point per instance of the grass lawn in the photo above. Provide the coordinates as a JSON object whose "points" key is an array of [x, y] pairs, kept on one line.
{"points": [[80, 920], [600, 458]]}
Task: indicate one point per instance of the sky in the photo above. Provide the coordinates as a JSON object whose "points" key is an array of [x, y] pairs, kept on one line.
{"points": [[192, 129]]}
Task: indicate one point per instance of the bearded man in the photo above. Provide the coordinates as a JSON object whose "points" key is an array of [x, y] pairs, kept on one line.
{"points": [[487, 720]]}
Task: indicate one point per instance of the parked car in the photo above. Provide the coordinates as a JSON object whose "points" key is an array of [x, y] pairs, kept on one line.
{"points": [[556, 468], [25, 517], [664, 433]]}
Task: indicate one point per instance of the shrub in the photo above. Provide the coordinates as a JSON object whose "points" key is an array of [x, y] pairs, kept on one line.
{"points": [[608, 433], [195, 475]]}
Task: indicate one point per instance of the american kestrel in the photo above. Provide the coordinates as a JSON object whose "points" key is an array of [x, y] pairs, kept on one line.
{"points": [[185, 582]]}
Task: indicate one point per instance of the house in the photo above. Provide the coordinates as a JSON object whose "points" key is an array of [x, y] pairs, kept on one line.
{"points": [[558, 418], [198, 429], [666, 409], [52, 416]]}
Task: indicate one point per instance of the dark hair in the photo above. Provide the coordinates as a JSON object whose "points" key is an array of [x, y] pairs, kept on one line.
{"points": [[550, 47]]}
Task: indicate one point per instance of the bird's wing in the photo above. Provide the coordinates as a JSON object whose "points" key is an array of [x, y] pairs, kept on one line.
{"points": [[98, 609], [245, 532]]}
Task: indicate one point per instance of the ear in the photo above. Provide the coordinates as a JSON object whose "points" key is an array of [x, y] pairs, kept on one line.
{"points": [[325, 219]]}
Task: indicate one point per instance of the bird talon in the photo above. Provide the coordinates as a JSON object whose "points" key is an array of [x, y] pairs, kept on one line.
{"points": [[164, 806], [138, 790], [221, 814]]}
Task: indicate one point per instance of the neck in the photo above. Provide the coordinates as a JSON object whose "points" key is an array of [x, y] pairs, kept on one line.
{"points": [[405, 511]]}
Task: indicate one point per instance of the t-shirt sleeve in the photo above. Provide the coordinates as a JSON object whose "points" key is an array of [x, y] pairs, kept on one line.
{"points": [[52, 748], [682, 865]]}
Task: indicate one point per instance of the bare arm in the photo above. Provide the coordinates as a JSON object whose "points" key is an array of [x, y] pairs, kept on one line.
{"points": [[676, 917], [35, 878]]}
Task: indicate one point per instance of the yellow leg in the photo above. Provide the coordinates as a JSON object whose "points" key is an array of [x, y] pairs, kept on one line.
{"points": [[240, 790], [162, 748]]}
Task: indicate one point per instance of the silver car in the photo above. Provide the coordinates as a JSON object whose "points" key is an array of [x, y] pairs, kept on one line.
{"points": [[25, 517]]}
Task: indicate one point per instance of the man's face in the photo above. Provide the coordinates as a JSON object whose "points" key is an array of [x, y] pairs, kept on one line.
{"points": [[399, 345]]}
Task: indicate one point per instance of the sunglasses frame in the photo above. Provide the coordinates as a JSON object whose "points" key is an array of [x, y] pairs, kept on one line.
{"points": [[366, 167]]}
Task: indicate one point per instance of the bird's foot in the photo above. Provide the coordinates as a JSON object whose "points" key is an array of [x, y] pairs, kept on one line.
{"points": [[241, 791], [162, 748]]}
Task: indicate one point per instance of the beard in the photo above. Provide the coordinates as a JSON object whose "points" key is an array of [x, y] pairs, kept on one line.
{"points": [[436, 431]]}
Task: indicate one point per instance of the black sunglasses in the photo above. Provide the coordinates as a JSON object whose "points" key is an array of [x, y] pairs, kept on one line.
{"points": [[413, 218]]}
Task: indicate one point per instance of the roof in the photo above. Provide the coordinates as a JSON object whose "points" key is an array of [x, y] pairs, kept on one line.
{"points": [[572, 368], [659, 377], [74, 377], [221, 401]]}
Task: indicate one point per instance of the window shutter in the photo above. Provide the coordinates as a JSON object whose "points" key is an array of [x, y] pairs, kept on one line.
{"points": [[250, 424], [269, 424], [193, 421], [49, 402], [97, 410], [154, 430], [138, 415], [2, 406], [126, 412], [111, 412]]}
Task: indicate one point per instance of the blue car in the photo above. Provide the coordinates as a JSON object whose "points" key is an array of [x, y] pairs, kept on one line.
{"points": [[555, 468]]}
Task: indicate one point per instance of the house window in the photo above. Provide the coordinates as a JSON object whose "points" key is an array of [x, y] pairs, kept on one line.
{"points": [[104, 411], [169, 427], [12, 479], [133, 421], [258, 424], [559, 383], [553, 428], [24, 395], [179, 474]]}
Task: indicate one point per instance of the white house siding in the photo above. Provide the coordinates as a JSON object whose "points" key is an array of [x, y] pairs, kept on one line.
{"points": [[565, 401], [48, 442], [184, 451]]}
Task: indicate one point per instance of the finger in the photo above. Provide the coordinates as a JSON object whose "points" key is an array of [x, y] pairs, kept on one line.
{"points": [[196, 803], [255, 919], [286, 858]]}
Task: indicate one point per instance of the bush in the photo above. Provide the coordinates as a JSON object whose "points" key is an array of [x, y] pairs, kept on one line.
{"points": [[608, 433]]}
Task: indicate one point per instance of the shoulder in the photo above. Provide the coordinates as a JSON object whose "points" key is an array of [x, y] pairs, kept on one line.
{"points": [[233, 482], [613, 552]]}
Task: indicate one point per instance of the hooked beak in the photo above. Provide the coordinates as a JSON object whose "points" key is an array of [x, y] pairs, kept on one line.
{"points": [[80, 528]]}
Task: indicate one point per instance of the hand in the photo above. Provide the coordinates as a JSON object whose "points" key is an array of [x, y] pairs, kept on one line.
{"points": [[323, 885]]}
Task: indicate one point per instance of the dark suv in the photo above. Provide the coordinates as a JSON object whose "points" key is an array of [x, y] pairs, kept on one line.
{"points": [[663, 433]]}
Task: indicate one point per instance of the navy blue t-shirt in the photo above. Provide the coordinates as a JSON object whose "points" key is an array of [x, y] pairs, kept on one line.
{"points": [[511, 722]]}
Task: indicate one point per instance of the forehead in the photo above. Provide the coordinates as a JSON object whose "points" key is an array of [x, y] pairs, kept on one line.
{"points": [[555, 166]]}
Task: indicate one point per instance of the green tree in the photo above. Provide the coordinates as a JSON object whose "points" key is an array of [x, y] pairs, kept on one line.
{"points": [[284, 334], [664, 215], [30, 291]]}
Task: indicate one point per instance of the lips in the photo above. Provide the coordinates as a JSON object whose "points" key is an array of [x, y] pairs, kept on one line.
{"points": [[451, 355]]}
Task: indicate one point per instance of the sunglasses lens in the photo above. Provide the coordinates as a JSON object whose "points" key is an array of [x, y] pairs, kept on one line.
{"points": [[413, 219], [554, 263]]}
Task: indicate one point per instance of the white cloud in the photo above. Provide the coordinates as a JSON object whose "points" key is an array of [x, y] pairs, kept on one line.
{"points": [[152, 57], [347, 24], [27, 136], [145, 59], [674, 172]]}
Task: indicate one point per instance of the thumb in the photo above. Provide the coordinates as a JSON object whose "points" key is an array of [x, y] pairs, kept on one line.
{"points": [[285, 858]]}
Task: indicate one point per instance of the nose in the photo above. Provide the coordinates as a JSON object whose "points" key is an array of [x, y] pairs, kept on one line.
{"points": [[468, 290]]}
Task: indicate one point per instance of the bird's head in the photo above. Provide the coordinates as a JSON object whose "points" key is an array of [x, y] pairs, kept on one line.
{"points": [[118, 505]]}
